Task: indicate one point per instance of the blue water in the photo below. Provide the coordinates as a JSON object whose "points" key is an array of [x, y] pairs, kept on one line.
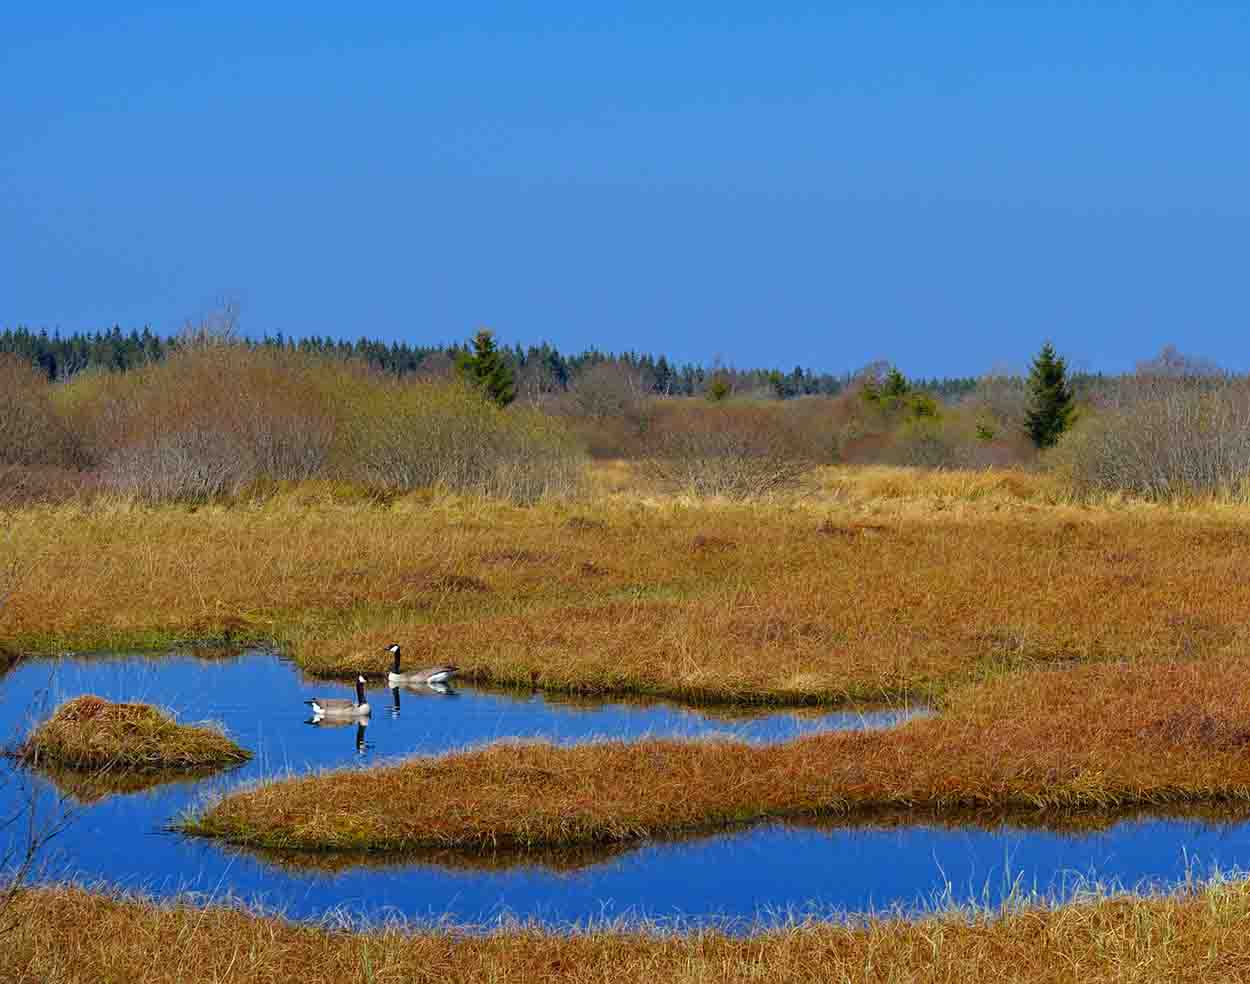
{"points": [[740, 875]]}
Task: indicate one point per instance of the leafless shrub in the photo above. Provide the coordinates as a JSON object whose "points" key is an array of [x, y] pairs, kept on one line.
{"points": [[193, 462], [1173, 363], [219, 326], [1000, 402], [1164, 437], [403, 434], [31, 431], [210, 420], [733, 451], [611, 389]]}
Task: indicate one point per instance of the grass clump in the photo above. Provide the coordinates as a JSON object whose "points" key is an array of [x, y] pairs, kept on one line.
{"points": [[1093, 737], [89, 733]]}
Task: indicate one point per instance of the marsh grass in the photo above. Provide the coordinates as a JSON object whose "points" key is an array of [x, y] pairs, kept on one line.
{"points": [[1196, 933], [1097, 737], [881, 584], [93, 735]]}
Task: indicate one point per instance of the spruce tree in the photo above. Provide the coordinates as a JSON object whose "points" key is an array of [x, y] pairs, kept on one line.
{"points": [[487, 369], [1051, 409]]}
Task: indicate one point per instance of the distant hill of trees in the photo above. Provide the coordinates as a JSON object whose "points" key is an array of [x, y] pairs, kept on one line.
{"points": [[541, 366]]}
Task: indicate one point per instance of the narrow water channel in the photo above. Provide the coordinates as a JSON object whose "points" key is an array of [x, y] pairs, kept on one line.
{"points": [[737, 875]]}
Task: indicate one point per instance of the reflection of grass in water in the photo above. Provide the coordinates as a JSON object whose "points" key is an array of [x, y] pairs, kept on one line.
{"points": [[729, 713], [87, 787], [1057, 821], [570, 860], [556, 860]]}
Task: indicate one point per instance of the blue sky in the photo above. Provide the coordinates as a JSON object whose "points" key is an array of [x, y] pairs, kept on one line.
{"points": [[943, 185]]}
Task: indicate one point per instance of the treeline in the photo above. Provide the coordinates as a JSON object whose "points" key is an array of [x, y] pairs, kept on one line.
{"points": [[207, 414], [539, 369]]}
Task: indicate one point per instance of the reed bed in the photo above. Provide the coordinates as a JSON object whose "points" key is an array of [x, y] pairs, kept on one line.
{"points": [[1198, 934], [1091, 737], [91, 734], [818, 599]]}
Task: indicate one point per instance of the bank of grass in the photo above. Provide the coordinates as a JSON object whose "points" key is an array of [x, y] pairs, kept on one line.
{"points": [[1198, 934], [1094, 737], [90, 734], [880, 583]]}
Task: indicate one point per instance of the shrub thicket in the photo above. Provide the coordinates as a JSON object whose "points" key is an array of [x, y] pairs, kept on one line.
{"points": [[213, 419], [32, 433], [1162, 438], [735, 450], [442, 433], [208, 421]]}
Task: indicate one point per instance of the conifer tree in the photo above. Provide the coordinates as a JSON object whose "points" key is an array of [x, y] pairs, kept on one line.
{"points": [[486, 369], [1051, 410]]}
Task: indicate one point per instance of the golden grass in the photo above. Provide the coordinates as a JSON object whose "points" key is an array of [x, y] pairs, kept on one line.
{"points": [[854, 592], [1093, 737], [91, 734], [1201, 934]]}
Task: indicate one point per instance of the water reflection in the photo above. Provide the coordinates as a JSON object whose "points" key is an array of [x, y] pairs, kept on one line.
{"points": [[360, 724], [419, 690]]}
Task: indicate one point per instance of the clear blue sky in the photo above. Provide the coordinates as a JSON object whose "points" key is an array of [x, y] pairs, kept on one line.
{"points": [[943, 185]]}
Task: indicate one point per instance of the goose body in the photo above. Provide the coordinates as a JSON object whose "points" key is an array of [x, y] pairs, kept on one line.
{"points": [[341, 707], [430, 675]]}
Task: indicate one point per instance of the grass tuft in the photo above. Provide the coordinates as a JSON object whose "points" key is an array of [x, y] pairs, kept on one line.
{"points": [[92, 734]]}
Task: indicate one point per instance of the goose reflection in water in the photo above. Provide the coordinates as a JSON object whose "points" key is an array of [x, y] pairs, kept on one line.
{"points": [[419, 690], [362, 746]]}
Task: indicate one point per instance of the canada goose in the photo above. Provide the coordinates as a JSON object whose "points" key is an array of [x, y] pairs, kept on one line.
{"points": [[432, 674], [341, 707]]}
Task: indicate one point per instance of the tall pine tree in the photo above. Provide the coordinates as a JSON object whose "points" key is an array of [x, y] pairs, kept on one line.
{"points": [[1051, 409], [486, 368]]}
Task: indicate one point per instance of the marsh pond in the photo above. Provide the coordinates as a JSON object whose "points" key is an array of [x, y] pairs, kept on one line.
{"points": [[120, 832]]}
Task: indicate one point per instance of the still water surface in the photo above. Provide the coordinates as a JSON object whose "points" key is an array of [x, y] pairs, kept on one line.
{"points": [[739, 875]]}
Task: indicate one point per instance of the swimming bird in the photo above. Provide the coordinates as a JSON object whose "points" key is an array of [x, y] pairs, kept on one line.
{"points": [[341, 707], [431, 674]]}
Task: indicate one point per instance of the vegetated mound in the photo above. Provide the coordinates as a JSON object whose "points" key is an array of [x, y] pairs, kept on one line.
{"points": [[90, 733], [1041, 743]]}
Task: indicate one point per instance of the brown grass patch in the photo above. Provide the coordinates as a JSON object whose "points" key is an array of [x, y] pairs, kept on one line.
{"points": [[919, 594], [442, 583], [93, 734], [708, 543], [1197, 935], [1092, 737]]}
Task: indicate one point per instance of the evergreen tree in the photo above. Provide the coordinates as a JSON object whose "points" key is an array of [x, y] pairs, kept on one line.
{"points": [[486, 369], [1051, 410]]}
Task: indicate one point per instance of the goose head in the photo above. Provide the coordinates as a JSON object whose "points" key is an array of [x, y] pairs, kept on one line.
{"points": [[393, 649]]}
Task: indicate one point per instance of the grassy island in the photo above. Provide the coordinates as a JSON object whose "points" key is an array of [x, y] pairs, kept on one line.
{"points": [[90, 734], [1100, 736]]}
